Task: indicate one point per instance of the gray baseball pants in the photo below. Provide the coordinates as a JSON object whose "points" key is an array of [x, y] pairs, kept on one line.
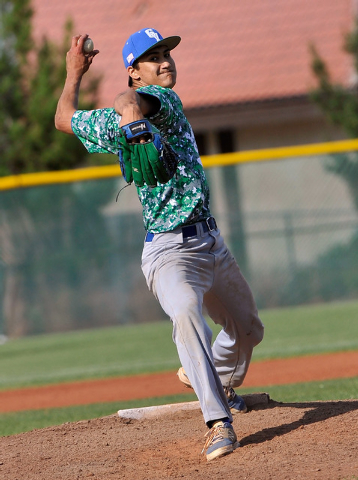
{"points": [[186, 275]]}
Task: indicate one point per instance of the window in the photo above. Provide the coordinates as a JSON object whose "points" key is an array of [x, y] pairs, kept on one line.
{"points": [[226, 141], [201, 143]]}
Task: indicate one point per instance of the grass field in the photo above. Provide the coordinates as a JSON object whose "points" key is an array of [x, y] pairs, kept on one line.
{"points": [[145, 348]]}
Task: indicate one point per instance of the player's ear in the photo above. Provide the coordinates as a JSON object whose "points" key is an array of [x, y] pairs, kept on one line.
{"points": [[133, 73]]}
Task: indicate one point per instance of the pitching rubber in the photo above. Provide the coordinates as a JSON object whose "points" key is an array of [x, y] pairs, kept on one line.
{"points": [[251, 400]]}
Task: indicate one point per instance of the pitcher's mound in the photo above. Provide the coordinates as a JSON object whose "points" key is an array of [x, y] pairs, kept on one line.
{"points": [[314, 440]]}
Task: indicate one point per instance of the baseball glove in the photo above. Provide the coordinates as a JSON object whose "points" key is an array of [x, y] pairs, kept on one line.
{"points": [[150, 162]]}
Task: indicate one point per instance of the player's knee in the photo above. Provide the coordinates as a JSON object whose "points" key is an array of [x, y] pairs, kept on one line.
{"points": [[257, 331], [189, 320], [187, 308]]}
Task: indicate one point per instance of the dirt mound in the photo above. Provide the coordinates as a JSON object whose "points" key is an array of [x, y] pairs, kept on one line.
{"points": [[315, 440]]}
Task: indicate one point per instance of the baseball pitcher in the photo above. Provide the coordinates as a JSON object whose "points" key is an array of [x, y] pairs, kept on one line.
{"points": [[185, 261]]}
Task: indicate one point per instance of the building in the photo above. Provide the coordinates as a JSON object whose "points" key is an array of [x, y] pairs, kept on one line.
{"points": [[243, 67]]}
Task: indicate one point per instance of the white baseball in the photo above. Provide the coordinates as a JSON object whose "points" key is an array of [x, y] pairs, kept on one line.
{"points": [[88, 45]]}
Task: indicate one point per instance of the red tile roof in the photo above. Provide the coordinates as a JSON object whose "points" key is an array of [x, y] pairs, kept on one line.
{"points": [[231, 50]]}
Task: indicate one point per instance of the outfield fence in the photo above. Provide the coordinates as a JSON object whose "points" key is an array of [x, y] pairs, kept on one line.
{"points": [[70, 243]]}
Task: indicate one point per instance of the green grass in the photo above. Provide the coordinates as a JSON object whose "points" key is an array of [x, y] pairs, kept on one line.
{"points": [[146, 348], [340, 389], [12, 423], [98, 353], [309, 329]]}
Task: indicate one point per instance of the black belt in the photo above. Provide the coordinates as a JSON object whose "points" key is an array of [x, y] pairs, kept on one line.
{"points": [[208, 225]]}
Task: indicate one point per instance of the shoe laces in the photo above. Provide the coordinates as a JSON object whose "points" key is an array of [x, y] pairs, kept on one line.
{"points": [[230, 393], [215, 431]]}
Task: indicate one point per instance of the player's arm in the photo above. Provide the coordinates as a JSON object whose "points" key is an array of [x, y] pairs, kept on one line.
{"points": [[77, 64], [132, 106]]}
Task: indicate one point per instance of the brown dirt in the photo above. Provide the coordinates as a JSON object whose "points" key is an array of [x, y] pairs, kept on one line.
{"points": [[313, 440], [261, 374]]}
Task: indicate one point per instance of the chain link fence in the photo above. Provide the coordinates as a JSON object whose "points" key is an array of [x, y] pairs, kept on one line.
{"points": [[70, 253]]}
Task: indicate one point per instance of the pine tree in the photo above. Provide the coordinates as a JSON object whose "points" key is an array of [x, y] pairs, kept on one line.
{"points": [[43, 231], [340, 105], [31, 80]]}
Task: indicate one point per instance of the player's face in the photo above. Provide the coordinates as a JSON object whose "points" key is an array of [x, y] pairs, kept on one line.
{"points": [[157, 67]]}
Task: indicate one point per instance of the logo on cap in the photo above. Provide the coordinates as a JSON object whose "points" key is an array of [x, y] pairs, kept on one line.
{"points": [[130, 57], [152, 34]]}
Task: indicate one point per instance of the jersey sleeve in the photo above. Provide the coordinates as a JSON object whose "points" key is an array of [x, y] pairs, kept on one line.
{"points": [[97, 129], [171, 108]]}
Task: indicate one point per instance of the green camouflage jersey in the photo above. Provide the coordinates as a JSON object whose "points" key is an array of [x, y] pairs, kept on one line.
{"points": [[185, 198]]}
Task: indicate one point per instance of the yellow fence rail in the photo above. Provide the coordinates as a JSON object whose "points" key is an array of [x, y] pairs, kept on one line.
{"points": [[92, 173]]}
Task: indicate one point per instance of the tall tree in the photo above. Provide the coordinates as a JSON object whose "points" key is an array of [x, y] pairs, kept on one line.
{"points": [[340, 105], [31, 79]]}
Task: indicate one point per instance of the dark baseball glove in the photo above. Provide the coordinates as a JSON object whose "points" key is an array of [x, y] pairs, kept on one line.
{"points": [[144, 156]]}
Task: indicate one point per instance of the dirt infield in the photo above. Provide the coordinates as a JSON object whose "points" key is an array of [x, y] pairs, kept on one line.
{"points": [[311, 441], [261, 374]]}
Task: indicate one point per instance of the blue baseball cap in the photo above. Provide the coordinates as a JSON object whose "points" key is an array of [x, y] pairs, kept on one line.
{"points": [[140, 42]]}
